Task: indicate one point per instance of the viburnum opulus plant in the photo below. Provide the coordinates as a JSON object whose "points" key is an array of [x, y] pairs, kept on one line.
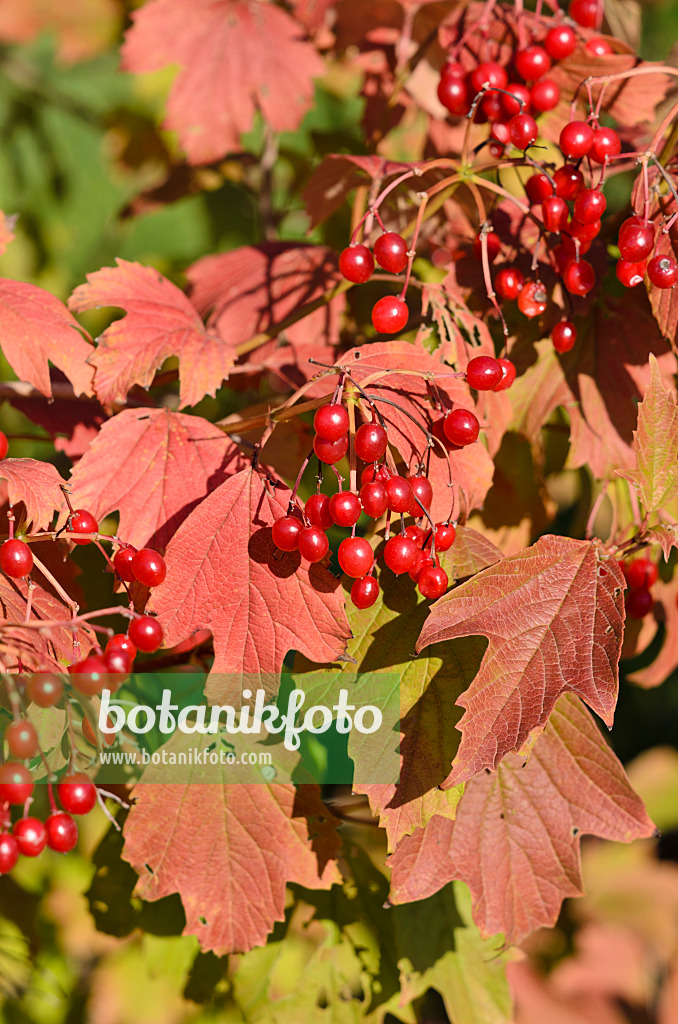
{"points": [[424, 423]]}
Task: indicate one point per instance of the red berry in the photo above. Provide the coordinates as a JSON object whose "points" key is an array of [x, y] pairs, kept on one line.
{"points": [[345, 508], [122, 563], [415, 533], [118, 663], [4, 448], [370, 442], [461, 427], [584, 232], [83, 521], [563, 336], [356, 557], [16, 782], [639, 603], [121, 642], [589, 206], [517, 103], [330, 452], [483, 373], [489, 72], [445, 535], [16, 559], [146, 634], [9, 853], [544, 95], [533, 299], [560, 42], [313, 544], [508, 282], [556, 213], [422, 560], [606, 144], [523, 131], [77, 793], [662, 271], [493, 246], [538, 188], [569, 181], [636, 241], [598, 47], [22, 739], [579, 277], [390, 252], [45, 689], [641, 573], [453, 69], [331, 421], [62, 832], [285, 532], [317, 510], [495, 149], [373, 498], [365, 592], [399, 494], [400, 553], [532, 62], [576, 139], [89, 676], [371, 473], [453, 93], [390, 315], [30, 835], [508, 375], [149, 567], [356, 264], [432, 582], [422, 490], [499, 131], [584, 12], [630, 274]]}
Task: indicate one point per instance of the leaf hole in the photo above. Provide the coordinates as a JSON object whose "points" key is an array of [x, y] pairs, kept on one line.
{"points": [[575, 830], [149, 869], [203, 920]]}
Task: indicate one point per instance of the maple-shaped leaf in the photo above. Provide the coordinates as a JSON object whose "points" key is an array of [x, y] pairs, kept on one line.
{"points": [[224, 573], [160, 323], [37, 330], [40, 650], [79, 419], [666, 535], [515, 840], [236, 57], [656, 445], [153, 466], [36, 484], [554, 617]]}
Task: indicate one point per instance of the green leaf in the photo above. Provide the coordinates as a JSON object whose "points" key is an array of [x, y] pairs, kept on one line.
{"points": [[655, 443]]}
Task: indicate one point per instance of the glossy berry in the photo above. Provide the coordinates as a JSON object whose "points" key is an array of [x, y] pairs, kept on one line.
{"points": [[4, 447], [555, 213], [22, 739], [517, 103], [118, 663], [9, 853], [544, 95], [432, 582], [496, 149], [16, 559], [630, 274], [532, 62], [662, 271], [373, 498], [355, 556], [452, 69], [563, 336], [121, 642], [584, 12], [508, 375], [461, 427], [122, 563], [16, 783], [356, 264], [390, 252], [317, 510], [453, 93], [576, 139], [399, 494], [331, 421], [416, 533], [641, 573], [508, 282], [345, 508], [330, 452], [30, 835], [560, 42], [62, 832], [639, 603], [499, 131], [146, 634], [389, 315], [493, 246], [313, 544], [77, 793], [589, 206], [400, 553], [365, 592], [579, 277], [45, 689], [523, 131], [422, 560], [370, 442], [83, 521], [445, 536], [149, 567], [489, 72], [569, 181], [371, 473], [606, 144], [421, 490], [483, 373], [538, 188], [598, 47], [89, 676], [533, 299], [636, 241], [285, 532], [585, 233]]}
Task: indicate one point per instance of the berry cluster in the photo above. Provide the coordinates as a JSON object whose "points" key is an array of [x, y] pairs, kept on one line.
{"points": [[356, 264], [640, 574]]}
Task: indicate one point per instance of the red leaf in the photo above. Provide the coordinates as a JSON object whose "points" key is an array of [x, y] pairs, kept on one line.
{"points": [[79, 419], [225, 574], [554, 617], [663, 300], [41, 651], [666, 661], [37, 329], [160, 323], [229, 852], [337, 175], [515, 841], [236, 57], [153, 466], [655, 446], [37, 485]]}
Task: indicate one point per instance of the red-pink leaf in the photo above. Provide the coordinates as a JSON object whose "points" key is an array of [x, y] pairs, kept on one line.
{"points": [[666, 661], [235, 57], [153, 466], [554, 617], [160, 323], [37, 485], [337, 175], [37, 330], [41, 651], [515, 840]]}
